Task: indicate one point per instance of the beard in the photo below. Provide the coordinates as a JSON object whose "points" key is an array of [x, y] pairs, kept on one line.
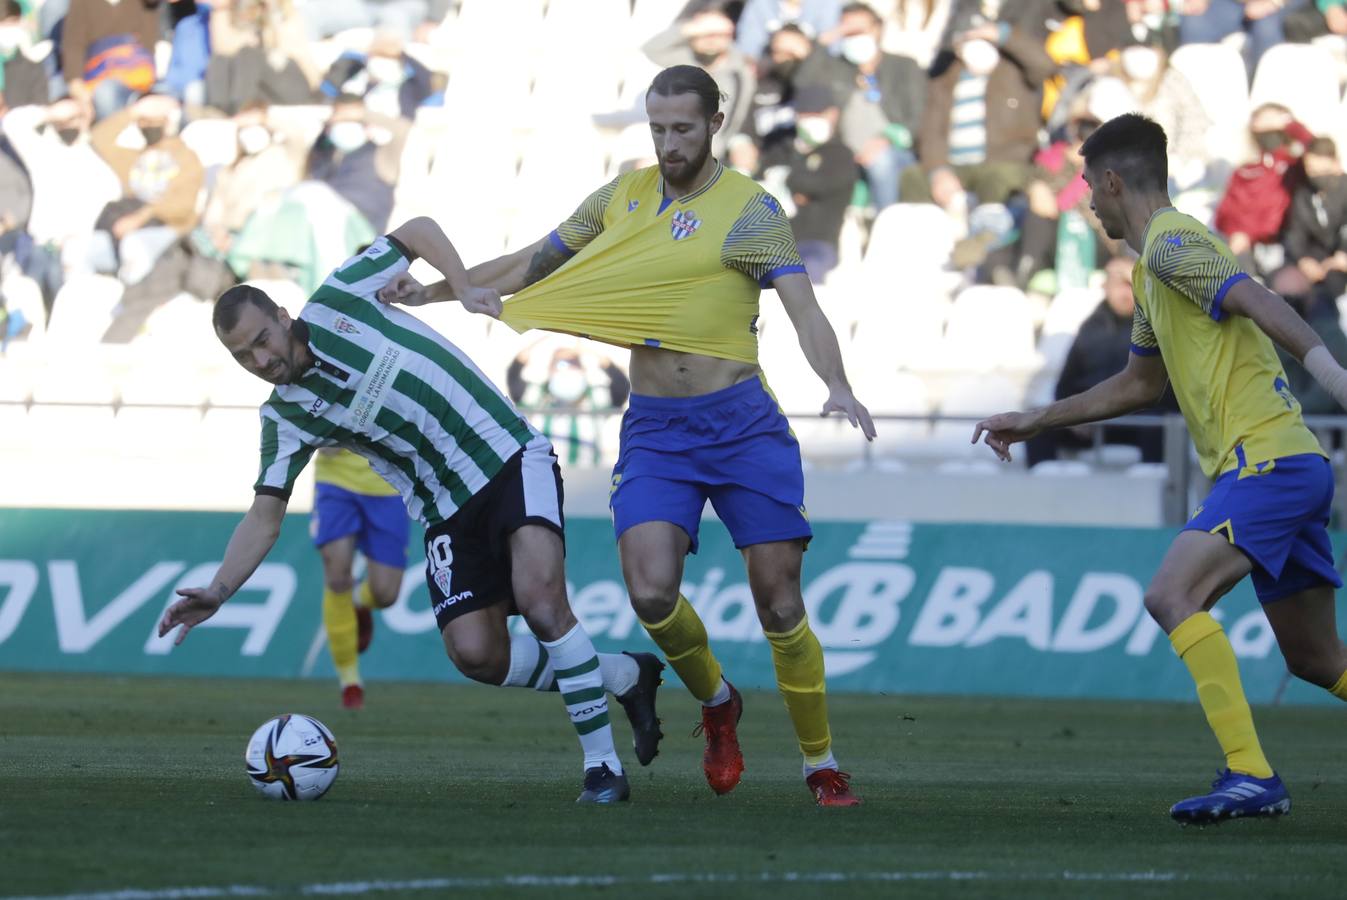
{"points": [[681, 172]]}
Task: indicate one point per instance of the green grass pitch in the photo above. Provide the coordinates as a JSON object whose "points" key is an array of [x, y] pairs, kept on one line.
{"points": [[108, 784]]}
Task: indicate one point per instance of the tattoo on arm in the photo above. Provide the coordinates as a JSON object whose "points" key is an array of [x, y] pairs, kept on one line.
{"points": [[546, 261], [224, 589]]}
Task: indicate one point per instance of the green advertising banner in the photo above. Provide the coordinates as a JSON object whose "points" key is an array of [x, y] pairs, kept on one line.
{"points": [[899, 607]]}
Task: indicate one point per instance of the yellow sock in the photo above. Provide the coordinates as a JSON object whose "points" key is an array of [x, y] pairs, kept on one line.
{"points": [[339, 620], [365, 596], [1339, 688], [1202, 645], [682, 637], [798, 658]]}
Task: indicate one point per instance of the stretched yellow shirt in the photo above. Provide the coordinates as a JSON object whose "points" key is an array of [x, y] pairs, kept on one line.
{"points": [[683, 274], [350, 471], [1225, 372]]}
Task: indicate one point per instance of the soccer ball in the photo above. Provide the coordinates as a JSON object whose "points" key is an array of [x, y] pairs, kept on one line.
{"points": [[292, 757]]}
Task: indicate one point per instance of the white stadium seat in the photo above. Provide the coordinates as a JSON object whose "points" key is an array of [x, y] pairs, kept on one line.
{"points": [[989, 328], [1217, 75], [910, 244], [1304, 79]]}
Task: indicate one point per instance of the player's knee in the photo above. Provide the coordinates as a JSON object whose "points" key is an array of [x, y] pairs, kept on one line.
{"points": [[1167, 607], [384, 595], [339, 584], [1312, 667], [653, 589], [780, 614], [481, 663]]}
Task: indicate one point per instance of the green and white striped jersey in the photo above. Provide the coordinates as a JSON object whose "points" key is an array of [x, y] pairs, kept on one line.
{"points": [[390, 388]]}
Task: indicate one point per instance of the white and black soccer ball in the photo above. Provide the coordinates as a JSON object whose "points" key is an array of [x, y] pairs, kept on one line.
{"points": [[292, 757]]}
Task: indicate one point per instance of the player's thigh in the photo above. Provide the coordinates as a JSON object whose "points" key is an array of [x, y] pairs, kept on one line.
{"points": [[652, 555], [338, 558], [1306, 626], [385, 582], [774, 579], [538, 580], [478, 642], [1198, 569]]}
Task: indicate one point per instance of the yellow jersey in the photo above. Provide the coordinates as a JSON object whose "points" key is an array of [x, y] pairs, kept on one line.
{"points": [[683, 274], [350, 471], [1225, 372]]}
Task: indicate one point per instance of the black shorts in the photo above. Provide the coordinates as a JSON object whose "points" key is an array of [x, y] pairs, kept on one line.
{"points": [[468, 556]]}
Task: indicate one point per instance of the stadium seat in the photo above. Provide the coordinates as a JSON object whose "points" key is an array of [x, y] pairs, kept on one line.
{"points": [[167, 377], [1068, 310], [1062, 468], [82, 310], [93, 381], [229, 432], [650, 17], [149, 432], [214, 141], [19, 364], [972, 397], [910, 244], [1303, 78], [989, 328], [230, 385], [1217, 75]]}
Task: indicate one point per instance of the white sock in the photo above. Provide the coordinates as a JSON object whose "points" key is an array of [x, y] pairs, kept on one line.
{"points": [[829, 763], [722, 695], [531, 667], [581, 685]]}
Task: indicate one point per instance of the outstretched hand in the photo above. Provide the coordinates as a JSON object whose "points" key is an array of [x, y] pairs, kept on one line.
{"points": [[840, 399], [1005, 429], [196, 606], [404, 290]]}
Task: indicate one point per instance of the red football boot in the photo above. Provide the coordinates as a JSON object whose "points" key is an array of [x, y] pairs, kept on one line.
{"points": [[832, 788], [722, 762], [352, 697]]}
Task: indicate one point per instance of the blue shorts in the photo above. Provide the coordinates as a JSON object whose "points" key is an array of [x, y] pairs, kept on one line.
{"points": [[733, 447], [1277, 514], [380, 524]]}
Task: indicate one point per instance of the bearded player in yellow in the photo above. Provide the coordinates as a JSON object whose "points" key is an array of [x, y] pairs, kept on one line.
{"points": [[354, 508], [1204, 325], [670, 261]]}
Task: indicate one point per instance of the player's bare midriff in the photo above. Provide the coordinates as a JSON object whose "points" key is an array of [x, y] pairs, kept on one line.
{"points": [[669, 373]]}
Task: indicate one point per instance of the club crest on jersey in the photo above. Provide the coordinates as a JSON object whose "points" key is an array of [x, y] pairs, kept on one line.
{"points": [[685, 224], [345, 326], [442, 577]]}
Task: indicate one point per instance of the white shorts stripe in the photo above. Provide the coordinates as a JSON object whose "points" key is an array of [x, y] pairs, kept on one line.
{"points": [[540, 485]]}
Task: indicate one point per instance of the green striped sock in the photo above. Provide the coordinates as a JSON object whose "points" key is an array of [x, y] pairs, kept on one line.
{"points": [[580, 680]]}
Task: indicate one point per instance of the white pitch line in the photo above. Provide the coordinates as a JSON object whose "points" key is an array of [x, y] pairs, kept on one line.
{"points": [[468, 883]]}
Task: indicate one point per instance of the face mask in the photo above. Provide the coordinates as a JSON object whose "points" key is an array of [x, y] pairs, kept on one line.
{"points": [[979, 56], [859, 48], [254, 139], [1324, 183], [1268, 141], [1140, 63], [347, 136], [785, 70], [68, 136], [13, 38], [814, 130], [567, 384], [153, 134], [385, 69]]}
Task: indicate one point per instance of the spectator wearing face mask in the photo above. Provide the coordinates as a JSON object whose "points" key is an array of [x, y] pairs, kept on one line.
{"points": [[706, 39], [1258, 194], [822, 175], [760, 18], [71, 185], [979, 129], [270, 159], [392, 82], [161, 178], [881, 113], [1315, 237], [358, 156], [564, 397]]}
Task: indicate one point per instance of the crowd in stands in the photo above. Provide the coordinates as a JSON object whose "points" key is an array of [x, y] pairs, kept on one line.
{"points": [[157, 151]]}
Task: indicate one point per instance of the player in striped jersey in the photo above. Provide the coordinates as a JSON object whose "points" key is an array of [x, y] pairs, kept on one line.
{"points": [[670, 260], [1207, 327], [351, 372]]}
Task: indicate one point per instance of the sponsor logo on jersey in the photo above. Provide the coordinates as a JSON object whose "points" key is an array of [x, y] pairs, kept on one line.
{"points": [[685, 224], [632, 204], [373, 391]]}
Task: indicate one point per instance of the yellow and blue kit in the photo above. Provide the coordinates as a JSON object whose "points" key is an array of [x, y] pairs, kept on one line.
{"points": [[683, 274], [1273, 484], [350, 498]]}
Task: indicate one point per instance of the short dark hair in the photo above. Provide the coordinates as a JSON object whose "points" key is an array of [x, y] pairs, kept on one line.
{"points": [[689, 80], [1322, 146], [864, 8], [232, 301], [1134, 147]]}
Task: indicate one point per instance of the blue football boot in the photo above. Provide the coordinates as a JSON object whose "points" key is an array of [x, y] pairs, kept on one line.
{"points": [[603, 785], [1234, 795]]}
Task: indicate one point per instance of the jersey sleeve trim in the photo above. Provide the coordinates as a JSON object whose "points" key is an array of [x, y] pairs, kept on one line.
{"points": [[774, 274], [282, 493], [1145, 351], [557, 242], [1217, 312], [400, 247]]}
